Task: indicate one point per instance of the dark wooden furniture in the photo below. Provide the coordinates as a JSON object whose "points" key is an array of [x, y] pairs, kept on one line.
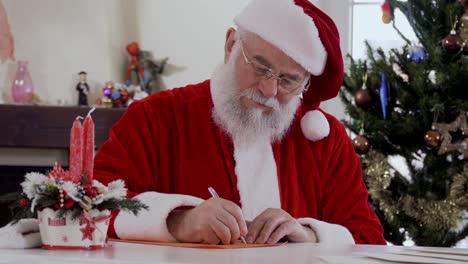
{"points": [[49, 126]]}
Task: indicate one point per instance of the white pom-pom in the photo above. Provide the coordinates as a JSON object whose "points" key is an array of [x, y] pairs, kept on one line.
{"points": [[315, 125]]}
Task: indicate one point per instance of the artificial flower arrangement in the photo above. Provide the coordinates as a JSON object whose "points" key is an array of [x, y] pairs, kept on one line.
{"points": [[72, 209]]}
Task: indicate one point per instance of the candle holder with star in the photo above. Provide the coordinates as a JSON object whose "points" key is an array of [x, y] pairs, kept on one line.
{"points": [[73, 209]]}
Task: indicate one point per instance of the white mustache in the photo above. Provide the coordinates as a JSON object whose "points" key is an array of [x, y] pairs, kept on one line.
{"points": [[255, 96]]}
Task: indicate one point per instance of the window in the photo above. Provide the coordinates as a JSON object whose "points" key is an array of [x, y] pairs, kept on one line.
{"points": [[368, 25]]}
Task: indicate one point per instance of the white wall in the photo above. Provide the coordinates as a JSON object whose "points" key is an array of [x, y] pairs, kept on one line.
{"points": [[61, 38], [190, 33]]}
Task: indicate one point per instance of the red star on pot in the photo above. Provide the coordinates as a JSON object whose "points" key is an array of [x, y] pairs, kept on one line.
{"points": [[87, 232]]}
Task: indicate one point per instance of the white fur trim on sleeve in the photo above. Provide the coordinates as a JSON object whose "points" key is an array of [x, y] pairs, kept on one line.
{"points": [[285, 25], [151, 225], [315, 125], [23, 234], [329, 234]]}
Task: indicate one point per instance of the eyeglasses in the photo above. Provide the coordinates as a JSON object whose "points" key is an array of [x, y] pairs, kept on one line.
{"points": [[286, 85]]}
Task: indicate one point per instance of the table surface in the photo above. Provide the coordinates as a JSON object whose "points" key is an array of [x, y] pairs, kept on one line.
{"points": [[119, 252]]}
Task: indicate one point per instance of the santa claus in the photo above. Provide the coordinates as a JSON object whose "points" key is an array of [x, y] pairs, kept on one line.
{"points": [[284, 169]]}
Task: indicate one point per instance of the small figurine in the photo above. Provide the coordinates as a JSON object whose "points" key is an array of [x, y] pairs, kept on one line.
{"points": [[83, 90], [147, 69]]}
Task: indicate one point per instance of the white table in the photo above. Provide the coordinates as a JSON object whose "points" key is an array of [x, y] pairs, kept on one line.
{"points": [[138, 253]]}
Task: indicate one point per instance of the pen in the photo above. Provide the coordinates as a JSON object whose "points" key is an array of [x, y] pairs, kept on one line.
{"points": [[215, 194]]}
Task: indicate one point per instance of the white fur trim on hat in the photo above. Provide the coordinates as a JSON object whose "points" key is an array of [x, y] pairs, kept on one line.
{"points": [[285, 25], [151, 225], [315, 125], [329, 234]]}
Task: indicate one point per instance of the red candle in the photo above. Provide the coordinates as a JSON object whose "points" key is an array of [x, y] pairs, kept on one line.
{"points": [[76, 151], [88, 148]]}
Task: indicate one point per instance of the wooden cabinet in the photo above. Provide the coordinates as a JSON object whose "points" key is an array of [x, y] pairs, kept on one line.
{"points": [[24, 126]]}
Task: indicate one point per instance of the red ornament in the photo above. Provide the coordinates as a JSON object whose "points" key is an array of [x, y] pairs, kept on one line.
{"points": [[124, 94], [433, 138], [87, 232], [24, 202], [452, 43], [386, 13], [361, 144], [363, 98]]}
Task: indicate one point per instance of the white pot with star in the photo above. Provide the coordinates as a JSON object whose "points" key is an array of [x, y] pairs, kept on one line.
{"points": [[89, 231]]}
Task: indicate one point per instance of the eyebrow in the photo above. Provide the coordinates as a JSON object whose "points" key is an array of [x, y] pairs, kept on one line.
{"points": [[264, 62]]}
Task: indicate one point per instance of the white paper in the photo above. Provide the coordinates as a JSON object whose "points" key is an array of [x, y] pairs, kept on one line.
{"points": [[350, 260], [409, 259], [451, 251], [436, 255]]}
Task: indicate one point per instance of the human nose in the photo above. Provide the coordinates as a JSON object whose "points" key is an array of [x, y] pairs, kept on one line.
{"points": [[269, 87]]}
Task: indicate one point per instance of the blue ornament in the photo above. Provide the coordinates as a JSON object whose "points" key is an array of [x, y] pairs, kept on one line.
{"points": [[384, 94], [416, 54], [115, 95]]}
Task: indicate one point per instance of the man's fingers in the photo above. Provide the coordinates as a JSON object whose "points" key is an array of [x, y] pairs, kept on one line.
{"points": [[268, 228], [283, 230], [211, 238], [229, 221], [236, 212], [255, 228], [221, 231]]}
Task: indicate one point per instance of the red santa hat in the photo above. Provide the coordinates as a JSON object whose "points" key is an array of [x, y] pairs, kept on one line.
{"points": [[308, 36]]}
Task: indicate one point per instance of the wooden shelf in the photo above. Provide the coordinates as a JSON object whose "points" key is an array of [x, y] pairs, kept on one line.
{"points": [[25, 126]]}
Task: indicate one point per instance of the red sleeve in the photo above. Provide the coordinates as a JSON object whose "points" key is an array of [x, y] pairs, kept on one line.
{"points": [[129, 154], [345, 194]]}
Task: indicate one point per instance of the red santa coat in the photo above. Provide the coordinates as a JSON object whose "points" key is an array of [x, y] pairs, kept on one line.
{"points": [[168, 150]]}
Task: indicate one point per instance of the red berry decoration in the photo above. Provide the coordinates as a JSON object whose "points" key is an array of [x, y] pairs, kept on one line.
{"points": [[91, 191], [24, 202]]}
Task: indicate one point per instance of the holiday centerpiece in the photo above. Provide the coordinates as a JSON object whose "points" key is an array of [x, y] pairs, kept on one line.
{"points": [[72, 208]]}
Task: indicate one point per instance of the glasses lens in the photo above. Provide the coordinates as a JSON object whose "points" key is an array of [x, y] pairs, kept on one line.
{"points": [[261, 71], [287, 84]]}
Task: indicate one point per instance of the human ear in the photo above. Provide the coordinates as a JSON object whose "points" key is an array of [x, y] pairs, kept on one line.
{"points": [[230, 41]]}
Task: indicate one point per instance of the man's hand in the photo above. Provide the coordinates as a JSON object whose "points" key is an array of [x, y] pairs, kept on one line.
{"points": [[215, 220], [274, 224]]}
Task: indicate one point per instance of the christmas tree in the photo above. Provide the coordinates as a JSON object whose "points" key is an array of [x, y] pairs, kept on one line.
{"points": [[411, 103]]}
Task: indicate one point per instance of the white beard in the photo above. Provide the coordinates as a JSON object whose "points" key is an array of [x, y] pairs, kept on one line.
{"points": [[247, 125]]}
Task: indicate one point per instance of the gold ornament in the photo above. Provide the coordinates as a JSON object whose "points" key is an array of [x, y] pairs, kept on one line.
{"points": [[447, 145], [107, 102]]}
